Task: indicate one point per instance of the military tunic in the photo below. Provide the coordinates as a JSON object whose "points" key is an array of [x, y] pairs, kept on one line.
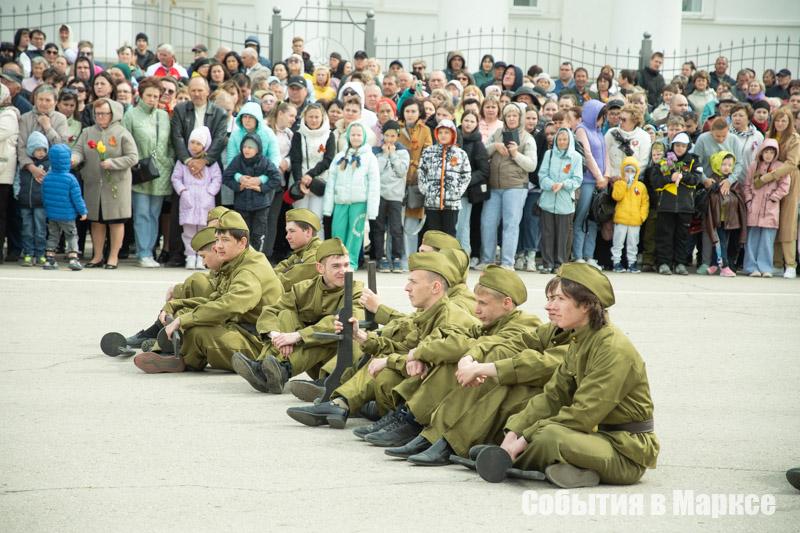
{"points": [[602, 380], [215, 326], [198, 284], [308, 307], [460, 295], [299, 266], [477, 415]]}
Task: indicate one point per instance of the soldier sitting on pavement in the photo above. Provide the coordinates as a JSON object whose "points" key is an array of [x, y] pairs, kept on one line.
{"points": [[594, 421], [302, 226], [437, 317], [215, 326], [288, 325], [197, 284]]}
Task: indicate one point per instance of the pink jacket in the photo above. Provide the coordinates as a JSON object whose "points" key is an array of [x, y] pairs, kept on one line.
{"points": [[763, 205]]}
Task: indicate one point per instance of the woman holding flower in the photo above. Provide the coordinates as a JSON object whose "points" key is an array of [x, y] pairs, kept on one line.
{"points": [[108, 152]]}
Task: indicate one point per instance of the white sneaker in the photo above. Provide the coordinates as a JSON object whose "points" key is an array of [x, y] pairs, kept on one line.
{"points": [[149, 262], [530, 262], [190, 262], [473, 262], [594, 263], [790, 273], [519, 264], [581, 261], [482, 266]]}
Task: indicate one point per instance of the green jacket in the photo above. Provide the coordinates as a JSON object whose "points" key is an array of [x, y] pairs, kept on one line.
{"points": [[438, 351], [244, 286], [545, 348], [141, 122], [314, 305], [602, 380], [299, 266], [459, 294]]}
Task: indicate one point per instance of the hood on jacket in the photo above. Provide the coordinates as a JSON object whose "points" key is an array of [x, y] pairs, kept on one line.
{"points": [[456, 84], [357, 87], [117, 110], [450, 126], [453, 54], [327, 82], [255, 138], [715, 161], [480, 67], [358, 124], [509, 108], [254, 110], [36, 140], [768, 143], [253, 39], [517, 77], [591, 110], [630, 161], [570, 149], [202, 134], [60, 158], [308, 132]]}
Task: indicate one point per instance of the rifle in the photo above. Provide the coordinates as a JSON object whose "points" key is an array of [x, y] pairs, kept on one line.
{"points": [[372, 282], [344, 352]]}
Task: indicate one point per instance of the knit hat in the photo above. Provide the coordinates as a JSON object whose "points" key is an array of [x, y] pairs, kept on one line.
{"points": [[389, 102], [252, 143], [456, 84], [36, 140], [203, 238], [761, 104], [506, 282], [303, 215], [126, 70], [201, 135], [437, 263], [591, 278], [390, 125], [330, 247], [142, 35]]}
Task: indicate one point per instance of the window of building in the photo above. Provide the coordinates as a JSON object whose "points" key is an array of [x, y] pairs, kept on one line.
{"points": [[692, 6], [525, 3]]}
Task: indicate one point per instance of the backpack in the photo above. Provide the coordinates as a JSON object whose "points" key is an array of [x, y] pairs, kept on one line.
{"points": [[602, 207]]}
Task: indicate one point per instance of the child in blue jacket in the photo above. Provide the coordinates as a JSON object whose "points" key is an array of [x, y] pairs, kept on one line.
{"points": [[34, 218], [63, 203]]}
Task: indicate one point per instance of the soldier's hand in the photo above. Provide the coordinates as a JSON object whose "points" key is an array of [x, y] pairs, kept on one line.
{"points": [[162, 317], [287, 350], [286, 339], [470, 375], [411, 354], [369, 300], [376, 365], [465, 361], [337, 325], [416, 369], [514, 444], [169, 297], [172, 327]]}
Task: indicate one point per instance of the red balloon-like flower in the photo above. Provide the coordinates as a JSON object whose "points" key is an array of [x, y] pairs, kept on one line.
{"points": [[92, 144]]}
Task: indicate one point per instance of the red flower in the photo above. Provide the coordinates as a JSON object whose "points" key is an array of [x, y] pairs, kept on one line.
{"points": [[92, 144]]}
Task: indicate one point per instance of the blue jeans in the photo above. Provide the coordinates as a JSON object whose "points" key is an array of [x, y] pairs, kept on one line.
{"points": [[758, 252], [411, 239], [506, 204], [529, 232], [146, 212], [583, 239], [462, 225], [34, 230]]}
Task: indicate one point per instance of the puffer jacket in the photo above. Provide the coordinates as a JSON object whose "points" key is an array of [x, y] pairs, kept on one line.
{"points": [[261, 166], [196, 195], [763, 204], [269, 141], [61, 192], [633, 202], [680, 198], [393, 169], [560, 166], [312, 151], [506, 172], [444, 173], [30, 190], [359, 181], [9, 131]]}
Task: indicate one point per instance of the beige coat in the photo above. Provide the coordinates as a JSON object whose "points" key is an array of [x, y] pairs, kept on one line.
{"points": [[790, 157], [28, 123], [9, 131], [98, 183]]}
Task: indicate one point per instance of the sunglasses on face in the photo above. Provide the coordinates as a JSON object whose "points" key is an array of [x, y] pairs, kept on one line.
{"points": [[51, 52], [169, 91]]}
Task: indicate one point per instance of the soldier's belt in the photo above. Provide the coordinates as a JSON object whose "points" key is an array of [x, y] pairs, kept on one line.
{"points": [[646, 426]]}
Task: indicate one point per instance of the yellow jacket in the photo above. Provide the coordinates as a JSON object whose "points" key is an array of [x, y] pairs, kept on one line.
{"points": [[632, 200]]}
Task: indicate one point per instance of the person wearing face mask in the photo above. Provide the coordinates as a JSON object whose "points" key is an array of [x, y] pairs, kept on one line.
{"points": [[633, 205]]}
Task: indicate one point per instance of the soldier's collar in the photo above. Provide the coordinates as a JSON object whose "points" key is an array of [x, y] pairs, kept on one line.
{"points": [[581, 334], [236, 261], [503, 320]]}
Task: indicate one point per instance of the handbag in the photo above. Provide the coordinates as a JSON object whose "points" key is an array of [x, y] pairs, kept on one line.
{"points": [[414, 198], [145, 169], [478, 193]]}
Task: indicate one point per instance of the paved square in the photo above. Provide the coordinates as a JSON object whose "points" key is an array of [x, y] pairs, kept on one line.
{"points": [[89, 443]]}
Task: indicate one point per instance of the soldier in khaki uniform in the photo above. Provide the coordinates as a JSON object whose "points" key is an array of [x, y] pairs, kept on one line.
{"points": [[432, 368], [288, 325], [436, 318], [594, 421], [214, 327], [302, 226], [197, 284]]}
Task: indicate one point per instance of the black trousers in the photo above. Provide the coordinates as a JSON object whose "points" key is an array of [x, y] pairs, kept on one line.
{"points": [[556, 232], [443, 220], [5, 201], [672, 237], [390, 217], [257, 224]]}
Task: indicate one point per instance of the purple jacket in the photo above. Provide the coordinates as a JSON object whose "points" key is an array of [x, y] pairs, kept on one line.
{"points": [[197, 195], [591, 110]]}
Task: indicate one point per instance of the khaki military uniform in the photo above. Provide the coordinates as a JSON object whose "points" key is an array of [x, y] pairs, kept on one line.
{"points": [[440, 321], [602, 381], [198, 284], [299, 266], [215, 326], [460, 295], [308, 307], [477, 415]]}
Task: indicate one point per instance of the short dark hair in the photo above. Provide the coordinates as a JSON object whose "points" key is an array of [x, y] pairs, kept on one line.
{"points": [[657, 54], [743, 107], [305, 226], [150, 83], [583, 297], [628, 75], [237, 234]]}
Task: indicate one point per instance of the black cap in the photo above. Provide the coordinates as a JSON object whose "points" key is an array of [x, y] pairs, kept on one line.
{"points": [[297, 81], [615, 103], [785, 72], [6, 47], [361, 54], [141, 35], [396, 62], [761, 104], [200, 48], [390, 125], [499, 64], [11, 76]]}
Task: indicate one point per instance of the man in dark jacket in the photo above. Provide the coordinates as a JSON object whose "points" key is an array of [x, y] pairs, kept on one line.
{"points": [[651, 80], [144, 57], [253, 41], [184, 119]]}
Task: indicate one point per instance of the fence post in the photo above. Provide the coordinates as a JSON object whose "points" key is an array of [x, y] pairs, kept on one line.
{"points": [[369, 34], [276, 37], [646, 51]]}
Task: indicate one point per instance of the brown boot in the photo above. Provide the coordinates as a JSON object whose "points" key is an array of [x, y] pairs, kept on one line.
{"points": [[154, 363]]}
